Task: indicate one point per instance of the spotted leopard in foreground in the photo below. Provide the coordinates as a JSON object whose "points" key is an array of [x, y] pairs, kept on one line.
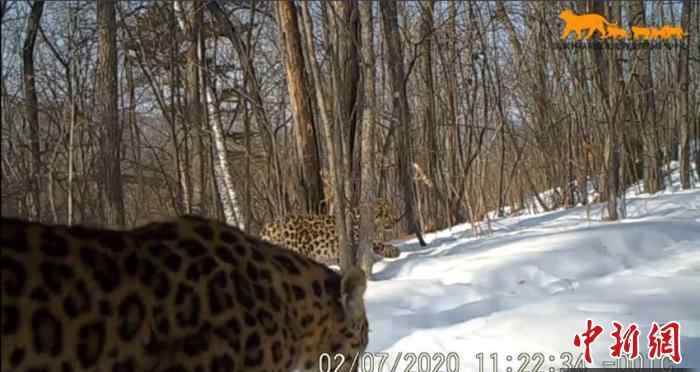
{"points": [[315, 236], [185, 295]]}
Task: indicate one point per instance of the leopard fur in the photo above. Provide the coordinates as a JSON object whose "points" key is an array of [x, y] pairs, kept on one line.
{"points": [[315, 236], [183, 295]]}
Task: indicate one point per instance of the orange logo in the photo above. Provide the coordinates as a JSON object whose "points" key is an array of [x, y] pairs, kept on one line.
{"points": [[615, 32], [593, 23], [579, 23]]}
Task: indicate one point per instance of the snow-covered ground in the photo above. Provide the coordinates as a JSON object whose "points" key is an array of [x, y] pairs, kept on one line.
{"points": [[530, 287]]}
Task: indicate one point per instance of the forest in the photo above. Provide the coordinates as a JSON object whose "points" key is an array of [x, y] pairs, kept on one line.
{"points": [[119, 113]]}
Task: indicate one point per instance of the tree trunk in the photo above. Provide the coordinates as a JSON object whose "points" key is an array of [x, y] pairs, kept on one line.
{"points": [[319, 94], [427, 104], [398, 79], [604, 79], [346, 73], [367, 139], [685, 108], [305, 129], [31, 107], [193, 98], [222, 174], [645, 104], [454, 208], [107, 115], [232, 30]]}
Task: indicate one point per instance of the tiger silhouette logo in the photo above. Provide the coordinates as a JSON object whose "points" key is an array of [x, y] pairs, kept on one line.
{"points": [[669, 32], [616, 32], [578, 23]]}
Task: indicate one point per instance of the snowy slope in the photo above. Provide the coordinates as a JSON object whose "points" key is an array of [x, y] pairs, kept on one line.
{"points": [[531, 286]]}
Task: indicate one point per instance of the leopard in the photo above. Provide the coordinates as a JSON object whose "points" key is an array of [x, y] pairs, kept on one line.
{"points": [[183, 294], [579, 22], [314, 236]]}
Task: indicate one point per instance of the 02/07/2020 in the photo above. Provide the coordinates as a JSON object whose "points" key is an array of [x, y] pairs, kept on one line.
{"points": [[381, 361]]}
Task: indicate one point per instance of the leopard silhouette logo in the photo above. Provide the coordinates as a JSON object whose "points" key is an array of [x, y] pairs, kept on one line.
{"points": [[592, 23], [616, 32], [578, 23]]}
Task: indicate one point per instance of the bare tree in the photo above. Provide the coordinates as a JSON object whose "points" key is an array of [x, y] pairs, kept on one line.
{"points": [[107, 114], [31, 105], [645, 107], [401, 109], [494, 126], [305, 128], [685, 108], [367, 138]]}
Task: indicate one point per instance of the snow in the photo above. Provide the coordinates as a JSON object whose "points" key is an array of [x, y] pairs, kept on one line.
{"points": [[531, 285]]}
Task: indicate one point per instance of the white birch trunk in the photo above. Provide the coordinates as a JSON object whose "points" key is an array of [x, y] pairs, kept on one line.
{"points": [[227, 193]]}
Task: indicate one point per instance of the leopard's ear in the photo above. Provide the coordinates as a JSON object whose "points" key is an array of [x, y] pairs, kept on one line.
{"points": [[352, 291]]}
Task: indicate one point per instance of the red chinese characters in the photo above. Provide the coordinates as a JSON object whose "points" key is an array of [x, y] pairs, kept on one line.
{"points": [[592, 332], [665, 341], [627, 342]]}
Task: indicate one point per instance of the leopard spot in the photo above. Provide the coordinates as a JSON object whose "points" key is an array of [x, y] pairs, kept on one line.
{"points": [[39, 294], [55, 275], [163, 326], [244, 292], [132, 315], [161, 285], [124, 366], [255, 358], [207, 265], [10, 320], [307, 320], [240, 249], [147, 272], [192, 273], [157, 249], [228, 237], [53, 245], [17, 357], [252, 342], [157, 232], [332, 286], [275, 300], [103, 268], [257, 256], [219, 299], [131, 264], [78, 301], [205, 231], [277, 354], [14, 277], [196, 345], [91, 344], [234, 325], [250, 320], [176, 368], [13, 237], [225, 254], [112, 240], [47, 333], [222, 363], [287, 264], [192, 247], [189, 306], [316, 287], [252, 271], [267, 321], [299, 293]]}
